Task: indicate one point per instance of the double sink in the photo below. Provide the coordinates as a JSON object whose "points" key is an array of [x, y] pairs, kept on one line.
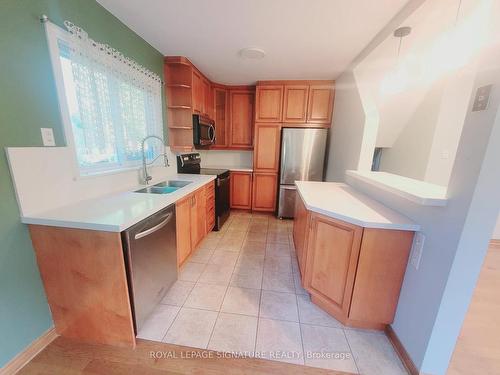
{"points": [[165, 187]]}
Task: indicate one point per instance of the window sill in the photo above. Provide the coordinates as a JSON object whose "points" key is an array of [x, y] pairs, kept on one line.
{"points": [[419, 192]]}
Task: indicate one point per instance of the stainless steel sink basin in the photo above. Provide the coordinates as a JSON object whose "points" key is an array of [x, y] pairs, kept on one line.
{"points": [[165, 187], [173, 183]]}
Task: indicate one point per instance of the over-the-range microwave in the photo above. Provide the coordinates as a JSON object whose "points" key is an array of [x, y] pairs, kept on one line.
{"points": [[203, 131]]}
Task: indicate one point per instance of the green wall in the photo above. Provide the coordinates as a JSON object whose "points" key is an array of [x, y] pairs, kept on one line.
{"points": [[28, 101]]}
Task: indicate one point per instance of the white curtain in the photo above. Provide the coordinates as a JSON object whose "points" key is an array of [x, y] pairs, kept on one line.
{"points": [[114, 103]]}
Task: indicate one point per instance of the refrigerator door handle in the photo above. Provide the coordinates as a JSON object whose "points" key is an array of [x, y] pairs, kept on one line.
{"points": [[288, 187]]}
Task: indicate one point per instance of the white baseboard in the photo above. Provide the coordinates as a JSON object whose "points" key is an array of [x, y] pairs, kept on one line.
{"points": [[20, 360]]}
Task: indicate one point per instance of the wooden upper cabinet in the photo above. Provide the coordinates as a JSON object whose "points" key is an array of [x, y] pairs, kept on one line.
{"points": [[269, 103], [207, 98], [264, 191], [241, 117], [241, 190], [183, 228], [267, 147], [198, 99], [221, 104], [331, 262], [320, 104], [295, 103]]}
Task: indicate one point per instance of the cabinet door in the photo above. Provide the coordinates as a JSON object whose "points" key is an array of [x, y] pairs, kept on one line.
{"points": [[221, 102], [300, 232], [241, 190], [183, 226], [197, 88], [264, 191], [201, 207], [269, 103], [381, 268], [206, 98], [267, 147], [198, 217], [332, 255], [295, 103], [210, 206], [241, 109], [320, 105]]}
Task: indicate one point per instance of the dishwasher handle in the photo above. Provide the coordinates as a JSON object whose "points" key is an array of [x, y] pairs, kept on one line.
{"points": [[157, 227]]}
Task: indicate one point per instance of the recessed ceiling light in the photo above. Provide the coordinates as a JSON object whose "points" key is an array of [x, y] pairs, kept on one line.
{"points": [[252, 53]]}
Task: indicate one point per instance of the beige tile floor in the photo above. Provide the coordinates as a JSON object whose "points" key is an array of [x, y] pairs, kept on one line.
{"points": [[240, 292]]}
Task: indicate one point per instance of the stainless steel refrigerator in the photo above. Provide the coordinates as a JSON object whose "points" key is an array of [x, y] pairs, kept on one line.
{"points": [[302, 159]]}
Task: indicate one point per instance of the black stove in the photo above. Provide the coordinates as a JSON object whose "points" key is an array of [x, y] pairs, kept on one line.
{"points": [[191, 163]]}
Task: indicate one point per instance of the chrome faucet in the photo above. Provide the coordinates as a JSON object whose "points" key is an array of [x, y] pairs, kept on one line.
{"points": [[147, 177]]}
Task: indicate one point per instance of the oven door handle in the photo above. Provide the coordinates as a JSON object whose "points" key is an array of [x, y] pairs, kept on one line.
{"points": [[219, 180], [151, 230]]}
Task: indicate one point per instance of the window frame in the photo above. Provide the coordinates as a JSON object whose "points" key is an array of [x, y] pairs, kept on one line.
{"points": [[55, 34]]}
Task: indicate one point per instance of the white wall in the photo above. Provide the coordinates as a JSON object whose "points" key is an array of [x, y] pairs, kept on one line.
{"points": [[449, 125], [409, 154], [346, 133], [434, 298], [226, 158]]}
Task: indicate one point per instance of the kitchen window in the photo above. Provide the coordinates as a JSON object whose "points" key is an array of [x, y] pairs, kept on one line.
{"points": [[108, 102]]}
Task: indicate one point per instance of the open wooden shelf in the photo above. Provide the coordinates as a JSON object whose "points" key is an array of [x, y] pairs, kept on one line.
{"points": [[178, 85], [179, 107]]}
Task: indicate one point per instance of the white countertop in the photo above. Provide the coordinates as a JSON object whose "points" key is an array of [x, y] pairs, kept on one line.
{"points": [[342, 202], [420, 192], [116, 212], [232, 169]]}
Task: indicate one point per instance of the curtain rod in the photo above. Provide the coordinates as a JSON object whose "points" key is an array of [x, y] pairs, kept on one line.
{"points": [[44, 19]]}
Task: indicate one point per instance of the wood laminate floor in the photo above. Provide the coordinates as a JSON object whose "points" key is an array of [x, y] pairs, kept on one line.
{"points": [[478, 347], [64, 356]]}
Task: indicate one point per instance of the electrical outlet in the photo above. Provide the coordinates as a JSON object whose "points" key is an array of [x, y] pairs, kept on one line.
{"points": [[48, 137], [417, 249]]}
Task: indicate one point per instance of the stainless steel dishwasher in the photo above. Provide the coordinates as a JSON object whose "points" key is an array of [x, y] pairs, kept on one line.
{"points": [[151, 258]]}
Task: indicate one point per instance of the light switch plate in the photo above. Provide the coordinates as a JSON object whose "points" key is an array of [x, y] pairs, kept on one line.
{"points": [[482, 98], [48, 137], [417, 249]]}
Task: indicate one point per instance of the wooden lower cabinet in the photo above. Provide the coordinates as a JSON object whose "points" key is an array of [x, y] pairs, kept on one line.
{"points": [[84, 276], [264, 191], [333, 249], [193, 220], [210, 206], [241, 190], [353, 273], [198, 217], [183, 224], [300, 232]]}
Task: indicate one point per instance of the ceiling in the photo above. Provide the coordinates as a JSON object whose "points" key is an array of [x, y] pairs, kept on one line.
{"points": [[303, 39]]}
